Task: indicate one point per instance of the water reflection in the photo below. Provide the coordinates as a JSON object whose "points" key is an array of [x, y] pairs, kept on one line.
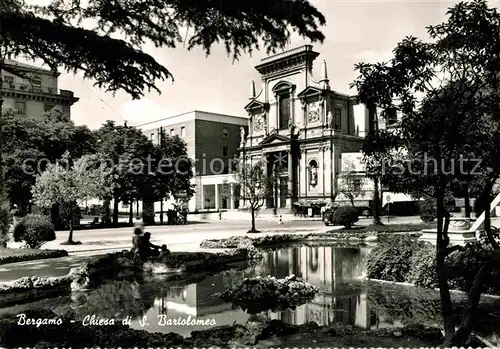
{"points": [[334, 270]]}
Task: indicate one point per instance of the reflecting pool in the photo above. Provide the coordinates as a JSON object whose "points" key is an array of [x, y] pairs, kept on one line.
{"points": [[337, 271]]}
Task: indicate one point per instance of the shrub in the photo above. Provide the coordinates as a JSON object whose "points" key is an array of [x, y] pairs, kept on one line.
{"points": [[464, 265], [15, 255], [34, 230], [428, 211], [391, 259], [345, 216], [5, 221], [423, 266]]}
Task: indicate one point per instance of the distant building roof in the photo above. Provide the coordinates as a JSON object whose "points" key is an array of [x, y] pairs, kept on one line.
{"points": [[27, 66], [195, 115]]}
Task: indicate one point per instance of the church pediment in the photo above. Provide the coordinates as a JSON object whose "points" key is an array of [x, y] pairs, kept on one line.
{"points": [[274, 139], [309, 91], [255, 105]]}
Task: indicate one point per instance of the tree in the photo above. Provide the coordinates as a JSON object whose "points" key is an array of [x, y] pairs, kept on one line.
{"points": [[69, 185], [131, 156], [54, 34], [447, 92], [351, 184], [30, 144], [174, 170], [255, 187]]}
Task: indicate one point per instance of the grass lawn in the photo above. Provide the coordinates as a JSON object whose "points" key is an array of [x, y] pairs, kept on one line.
{"points": [[389, 228], [13, 255]]}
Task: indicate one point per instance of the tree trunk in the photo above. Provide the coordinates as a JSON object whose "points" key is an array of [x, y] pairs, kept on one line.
{"points": [[115, 210], [467, 202], [131, 212], [376, 203], [352, 201], [442, 272], [70, 237], [461, 336], [161, 211], [253, 219]]}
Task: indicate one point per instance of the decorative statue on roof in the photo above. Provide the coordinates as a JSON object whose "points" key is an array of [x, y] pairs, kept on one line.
{"points": [[242, 136]]}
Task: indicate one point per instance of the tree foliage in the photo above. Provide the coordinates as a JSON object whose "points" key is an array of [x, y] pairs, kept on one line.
{"points": [[130, 157], [29, 144], [174, 169], [351, 184], [69, 185], [254, 187], [447, 92], [111, 53]]}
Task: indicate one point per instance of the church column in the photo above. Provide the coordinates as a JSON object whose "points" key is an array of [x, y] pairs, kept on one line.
{"points": [[231, 196], [265, 171], [277, 97], [217, 198], [292, 119], [250, 124], [322, 109], [304, 112], [290, 180]]}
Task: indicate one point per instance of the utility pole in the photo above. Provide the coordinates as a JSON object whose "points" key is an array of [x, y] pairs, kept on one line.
{"points": [[161, 175]]}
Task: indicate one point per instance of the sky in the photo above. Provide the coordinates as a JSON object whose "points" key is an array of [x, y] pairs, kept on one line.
{"points": [[355, 31]]}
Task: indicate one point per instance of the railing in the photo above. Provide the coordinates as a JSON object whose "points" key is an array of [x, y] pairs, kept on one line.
{"points": [[26, 87]]}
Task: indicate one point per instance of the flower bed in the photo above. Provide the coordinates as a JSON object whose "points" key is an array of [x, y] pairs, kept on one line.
{"points": [[352, 235], [32, 288], [261, 294], [14, 255]]}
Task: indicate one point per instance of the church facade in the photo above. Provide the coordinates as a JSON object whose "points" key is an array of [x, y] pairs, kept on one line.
{"points": [[298, 129]]}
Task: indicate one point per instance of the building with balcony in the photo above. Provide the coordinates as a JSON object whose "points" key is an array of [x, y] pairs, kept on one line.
{"points": [[212, 142], [33, 91]]}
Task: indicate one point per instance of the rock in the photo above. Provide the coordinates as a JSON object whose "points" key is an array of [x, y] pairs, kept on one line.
{"points": [[260, 294], [397, 334]]}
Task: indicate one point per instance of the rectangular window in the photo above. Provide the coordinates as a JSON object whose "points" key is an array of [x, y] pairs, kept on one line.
{"points": [[225, 151], [20, 107], [9, 81], [284, 111], [338, 118], [37, 85], [391, 117], [225, 132], [172, 132], [48, 107], [183, 131]]}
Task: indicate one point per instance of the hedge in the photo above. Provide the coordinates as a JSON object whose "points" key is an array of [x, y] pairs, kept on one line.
{"points": [[405, 259], [11, 255]]}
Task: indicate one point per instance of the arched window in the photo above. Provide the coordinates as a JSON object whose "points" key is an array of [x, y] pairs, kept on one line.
{"points": [[313, 172], [283, 92]]}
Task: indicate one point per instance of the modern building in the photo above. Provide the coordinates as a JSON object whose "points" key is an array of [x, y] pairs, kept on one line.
{"points": [[305, 132], [33, 91], [212, 142]]}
